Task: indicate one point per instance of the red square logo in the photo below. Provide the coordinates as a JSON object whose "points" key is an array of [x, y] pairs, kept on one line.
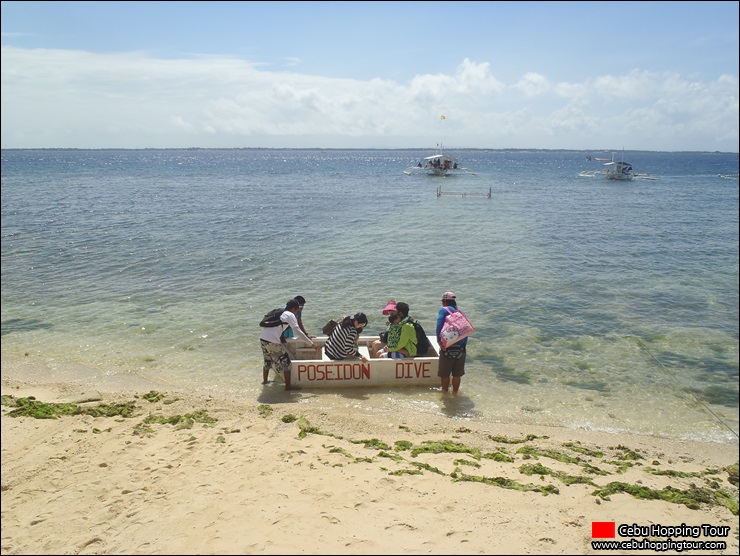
{"points": [[602, 529]]}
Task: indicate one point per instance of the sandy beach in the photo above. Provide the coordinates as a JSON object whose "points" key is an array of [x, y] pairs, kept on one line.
{"points": [[183, 473]]}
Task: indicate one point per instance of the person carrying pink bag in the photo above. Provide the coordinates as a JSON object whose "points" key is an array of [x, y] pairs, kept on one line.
{"points": [[451, 358]]}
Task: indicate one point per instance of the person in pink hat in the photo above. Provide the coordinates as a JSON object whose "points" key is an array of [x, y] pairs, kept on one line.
{"points": [[389, 308], [452, 359]]}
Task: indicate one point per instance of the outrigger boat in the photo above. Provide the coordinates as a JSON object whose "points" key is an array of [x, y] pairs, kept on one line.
{"points": [[613, 170], [618, 170], [310, 372], [439, 164]]}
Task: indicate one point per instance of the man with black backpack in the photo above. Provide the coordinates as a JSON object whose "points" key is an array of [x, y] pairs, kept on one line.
{"points": [[274, 353]]}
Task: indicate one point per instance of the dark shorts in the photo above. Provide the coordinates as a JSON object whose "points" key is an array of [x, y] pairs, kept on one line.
{"points": [[452, 366]]}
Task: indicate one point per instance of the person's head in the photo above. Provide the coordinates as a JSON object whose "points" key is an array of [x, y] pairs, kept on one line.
{"points": [[401, 312], [449, 300], [292, 306], [359, 320], [300, 299], [402, 309]]}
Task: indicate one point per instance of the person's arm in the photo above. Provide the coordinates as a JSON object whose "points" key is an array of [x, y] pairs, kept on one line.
{"points": [[299, 318], [343, 343], [348, 342], [293, 322], [404, 342], [408, 339], [355, 349], [441, 314]]}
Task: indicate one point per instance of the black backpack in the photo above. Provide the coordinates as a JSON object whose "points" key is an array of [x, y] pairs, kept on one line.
{"points": [[272, 319], [422, 342]]}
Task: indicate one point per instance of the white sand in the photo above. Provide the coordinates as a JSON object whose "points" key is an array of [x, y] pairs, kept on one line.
{"points": [[248, 484]]}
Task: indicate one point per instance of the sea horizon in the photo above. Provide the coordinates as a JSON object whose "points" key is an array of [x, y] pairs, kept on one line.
{"points": [[472, 149]]}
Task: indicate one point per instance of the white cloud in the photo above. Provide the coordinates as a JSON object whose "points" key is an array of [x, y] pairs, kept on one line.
{"points": [[75, 99], [533, 84]]}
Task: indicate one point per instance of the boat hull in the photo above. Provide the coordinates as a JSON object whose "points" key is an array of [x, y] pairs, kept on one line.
{"points": [[436, 171], [309, 371]]}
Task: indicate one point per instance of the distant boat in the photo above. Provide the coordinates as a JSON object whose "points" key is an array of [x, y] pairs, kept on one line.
{"points": [[439, 164], [619, 170], [613, 170]]}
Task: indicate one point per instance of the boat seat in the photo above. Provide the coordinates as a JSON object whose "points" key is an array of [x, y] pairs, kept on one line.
{"points": [[364, 351], [306, 354]]}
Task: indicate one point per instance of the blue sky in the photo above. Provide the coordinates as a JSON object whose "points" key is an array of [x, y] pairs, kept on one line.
{"points": [[546, 75]]}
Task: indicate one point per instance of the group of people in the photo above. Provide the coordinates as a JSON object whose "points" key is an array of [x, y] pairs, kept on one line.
{"points": [[398, 341], [437, 164]]}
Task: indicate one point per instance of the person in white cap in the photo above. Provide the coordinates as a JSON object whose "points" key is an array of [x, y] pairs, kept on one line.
{"points": [[452, 359]]}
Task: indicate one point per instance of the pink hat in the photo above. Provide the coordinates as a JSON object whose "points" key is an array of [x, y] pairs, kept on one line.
{"points": [[389, 308], [448, 295]]}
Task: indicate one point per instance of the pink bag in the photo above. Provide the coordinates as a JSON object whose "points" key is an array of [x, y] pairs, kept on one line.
{"points": [[456, 327]]}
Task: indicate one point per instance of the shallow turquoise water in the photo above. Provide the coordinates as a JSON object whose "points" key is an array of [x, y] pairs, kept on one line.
{"points": [[598, 305]]}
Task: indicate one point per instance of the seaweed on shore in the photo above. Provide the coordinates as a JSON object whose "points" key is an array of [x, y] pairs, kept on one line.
{"points": [[31, 407], [693, 497], [614, 459]]}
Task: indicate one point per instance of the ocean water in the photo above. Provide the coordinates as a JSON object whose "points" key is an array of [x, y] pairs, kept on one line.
{"points": [[598, 305]]}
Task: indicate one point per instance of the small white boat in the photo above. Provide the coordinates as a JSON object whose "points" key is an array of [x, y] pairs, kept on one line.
{"points": [[439, 164], [310, 372]]}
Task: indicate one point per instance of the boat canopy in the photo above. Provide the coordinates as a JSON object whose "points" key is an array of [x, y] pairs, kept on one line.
{"points": [[440, 156]]}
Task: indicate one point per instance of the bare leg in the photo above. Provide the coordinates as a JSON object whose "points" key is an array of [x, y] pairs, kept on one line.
{"points": [[265, 373], [286, 374], [446, 384], [455, 384], [375, 348]]}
